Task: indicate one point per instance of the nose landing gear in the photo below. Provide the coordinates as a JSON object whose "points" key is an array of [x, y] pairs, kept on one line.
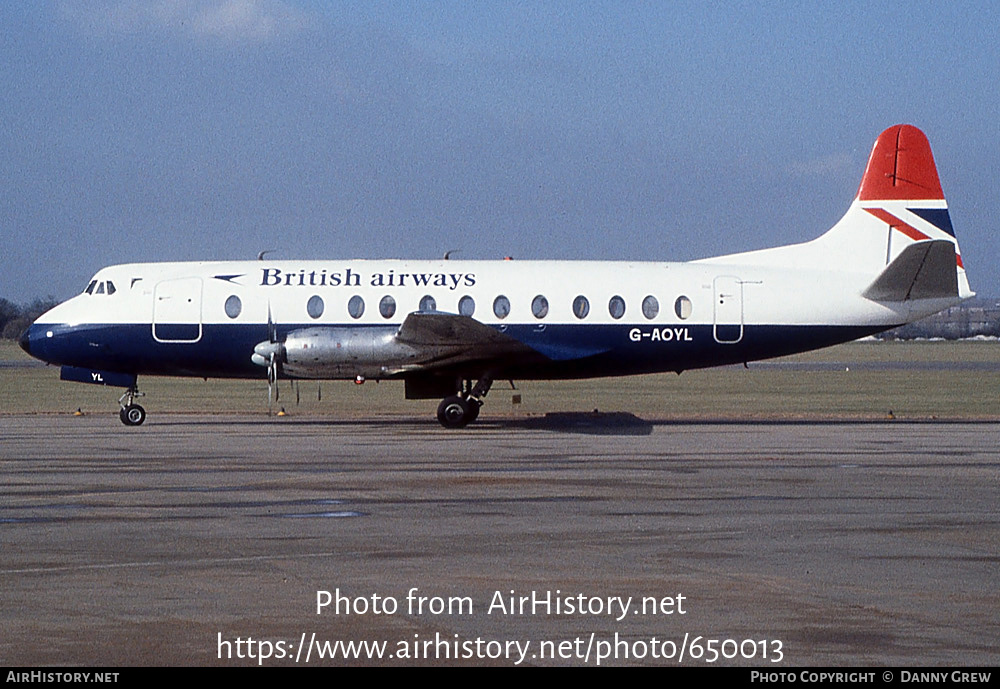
{"points": [[131, 414]]}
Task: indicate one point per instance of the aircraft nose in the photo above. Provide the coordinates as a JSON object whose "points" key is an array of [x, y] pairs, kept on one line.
{"points": [[25, 341]]}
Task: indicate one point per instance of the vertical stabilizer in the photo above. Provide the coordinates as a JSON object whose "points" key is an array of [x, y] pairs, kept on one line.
{"points": [[899, 203], [902, 192]]}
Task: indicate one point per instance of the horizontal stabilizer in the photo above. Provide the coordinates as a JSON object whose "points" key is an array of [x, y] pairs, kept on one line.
{"points": [[923, 270]]}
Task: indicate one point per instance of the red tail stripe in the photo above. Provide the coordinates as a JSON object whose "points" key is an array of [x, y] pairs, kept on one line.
{"points": [[907, 229]]}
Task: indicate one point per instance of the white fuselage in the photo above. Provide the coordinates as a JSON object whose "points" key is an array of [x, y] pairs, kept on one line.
{"points": [[186, 317]]}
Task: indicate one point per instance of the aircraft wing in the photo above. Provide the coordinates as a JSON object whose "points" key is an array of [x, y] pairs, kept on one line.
{"points": [[437, 329], [446, 339]]}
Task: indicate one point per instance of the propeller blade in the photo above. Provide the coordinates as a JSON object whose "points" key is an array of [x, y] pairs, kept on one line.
{"points": [[272, 362], [272, 331], [272, 376]]}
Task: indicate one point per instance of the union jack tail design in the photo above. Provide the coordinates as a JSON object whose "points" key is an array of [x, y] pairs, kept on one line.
{"points": [[896, 243], [898, 224]]}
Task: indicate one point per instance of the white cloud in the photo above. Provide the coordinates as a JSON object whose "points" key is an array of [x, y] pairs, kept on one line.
{"points": [[228, 21], [833, 163]]}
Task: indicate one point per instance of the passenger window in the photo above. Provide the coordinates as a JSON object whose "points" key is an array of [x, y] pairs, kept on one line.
{"points": [[540, 306], [315, 306], [616, 307], [650, 307], [427, 303], [356, 306], [387, 307], [233, 306], [466, 306], [501, 307], [581, 307], [682, 307]]}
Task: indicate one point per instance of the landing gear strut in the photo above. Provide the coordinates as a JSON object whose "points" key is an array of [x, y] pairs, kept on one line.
{"points": [[458, 411], [131, 413]]}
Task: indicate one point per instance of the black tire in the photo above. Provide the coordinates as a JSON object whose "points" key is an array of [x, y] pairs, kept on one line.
{"points": [[474, 407], [132, 415], [454, 412]]}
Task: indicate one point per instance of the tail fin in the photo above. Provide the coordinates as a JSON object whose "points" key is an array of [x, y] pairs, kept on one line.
{"points": [[899, 204], [902, 193], [901, 167]]}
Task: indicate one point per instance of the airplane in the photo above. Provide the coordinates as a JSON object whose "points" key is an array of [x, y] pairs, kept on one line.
{"points": [[450, 328]]}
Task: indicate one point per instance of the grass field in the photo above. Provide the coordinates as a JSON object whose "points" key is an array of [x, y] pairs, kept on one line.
{"points": [[946, 380]]}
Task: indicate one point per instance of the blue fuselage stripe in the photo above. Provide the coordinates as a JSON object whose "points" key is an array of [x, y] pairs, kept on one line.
{"points": [[566, 351]]}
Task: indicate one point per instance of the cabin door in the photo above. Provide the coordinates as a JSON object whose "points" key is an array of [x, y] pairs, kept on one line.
{"points": [[728, 310], [177, 310]]}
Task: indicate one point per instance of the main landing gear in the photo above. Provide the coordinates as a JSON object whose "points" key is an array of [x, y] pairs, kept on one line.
{"points": [[458, 411], [131, 413]]}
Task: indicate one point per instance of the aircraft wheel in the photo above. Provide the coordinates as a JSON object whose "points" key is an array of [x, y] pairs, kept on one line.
{"points": [[455, 412], [474, 407], [132, 415]]}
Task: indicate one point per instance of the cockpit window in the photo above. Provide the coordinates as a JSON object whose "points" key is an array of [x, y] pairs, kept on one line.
{"points": [[100, 287]]}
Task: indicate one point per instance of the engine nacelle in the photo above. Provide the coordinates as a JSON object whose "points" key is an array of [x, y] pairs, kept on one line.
{"points": [[346, 352]]}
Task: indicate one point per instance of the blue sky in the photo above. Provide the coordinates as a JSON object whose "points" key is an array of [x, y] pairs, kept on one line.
{"points": [[213, 129]]}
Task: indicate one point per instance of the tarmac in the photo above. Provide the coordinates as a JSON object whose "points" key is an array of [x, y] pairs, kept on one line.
{"points": [[569, 539]]}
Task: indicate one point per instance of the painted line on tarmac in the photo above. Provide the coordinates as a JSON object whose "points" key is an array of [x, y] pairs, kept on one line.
{"points": [[163, 563]]}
